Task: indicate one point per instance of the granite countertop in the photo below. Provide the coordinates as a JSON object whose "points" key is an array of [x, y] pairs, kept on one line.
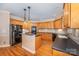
{"points": [[31, 34], [66, 45], [74, 38]]}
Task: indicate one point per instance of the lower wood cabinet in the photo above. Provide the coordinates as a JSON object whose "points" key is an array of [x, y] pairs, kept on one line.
{"points": [[46, 36], [38, 42], [58, 23]]}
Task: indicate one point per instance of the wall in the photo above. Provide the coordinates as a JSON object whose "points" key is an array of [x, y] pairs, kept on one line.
{"points": [[4, 28]]}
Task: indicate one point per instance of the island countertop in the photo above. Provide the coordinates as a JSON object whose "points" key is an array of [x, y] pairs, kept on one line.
{"points": [[31, 34], [66, 45]]}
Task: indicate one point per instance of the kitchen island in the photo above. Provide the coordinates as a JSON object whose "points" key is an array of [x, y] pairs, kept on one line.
{"points": [[30, 42]]}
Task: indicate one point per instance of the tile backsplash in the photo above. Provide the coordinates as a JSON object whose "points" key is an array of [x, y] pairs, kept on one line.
{"points": [[74, 32]]}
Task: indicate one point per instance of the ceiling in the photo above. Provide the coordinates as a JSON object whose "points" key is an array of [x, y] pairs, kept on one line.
{"points": [[39, 11]]}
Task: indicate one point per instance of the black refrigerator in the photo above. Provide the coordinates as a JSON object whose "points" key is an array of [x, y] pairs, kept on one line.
{"points": [[15, 34]]}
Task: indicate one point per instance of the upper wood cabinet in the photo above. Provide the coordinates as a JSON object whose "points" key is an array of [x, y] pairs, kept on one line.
{"points": [[71, 15], [49, 24], [15, 22], [70, 18], [58, 23], [66, 18], [75, 15], [19, 22]]}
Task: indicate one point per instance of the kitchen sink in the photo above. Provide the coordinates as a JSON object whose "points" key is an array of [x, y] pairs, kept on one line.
{"points": [[62, 36]]}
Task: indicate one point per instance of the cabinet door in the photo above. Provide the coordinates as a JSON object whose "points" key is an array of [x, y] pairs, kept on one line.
{"points": [[15, 22], [75, 15], [46, 24], [43, 25], [66, 18], [71, 15], [38, 42], [46, 36], [39, 25], [51, 24], [58, 23]]}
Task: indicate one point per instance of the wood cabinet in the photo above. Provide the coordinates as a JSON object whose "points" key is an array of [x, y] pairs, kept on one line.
{"points": [[15, 22], [38, 42], [46, 36], [49, 24], [71, 15], [74, 15], [45, 24], [58, 23], [31, 42], [42, 25], [67, 16], [25, 25]]}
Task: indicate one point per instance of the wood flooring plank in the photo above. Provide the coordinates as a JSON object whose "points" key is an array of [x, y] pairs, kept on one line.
{"points": [[44, 50]]}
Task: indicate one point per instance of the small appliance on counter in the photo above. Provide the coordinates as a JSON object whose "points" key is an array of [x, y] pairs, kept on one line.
{"points": [[33, 30]]}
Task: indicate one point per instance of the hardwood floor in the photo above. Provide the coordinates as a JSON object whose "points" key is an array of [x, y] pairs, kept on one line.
{"points": [[44, 50], [58, 53], [14, 51], [17, 50]]}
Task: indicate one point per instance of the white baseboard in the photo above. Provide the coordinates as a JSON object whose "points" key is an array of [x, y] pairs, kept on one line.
{"points": [[4, 45], [28, 50]]}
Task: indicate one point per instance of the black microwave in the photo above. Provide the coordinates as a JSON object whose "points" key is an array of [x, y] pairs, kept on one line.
{"points": [[33, 30]]}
